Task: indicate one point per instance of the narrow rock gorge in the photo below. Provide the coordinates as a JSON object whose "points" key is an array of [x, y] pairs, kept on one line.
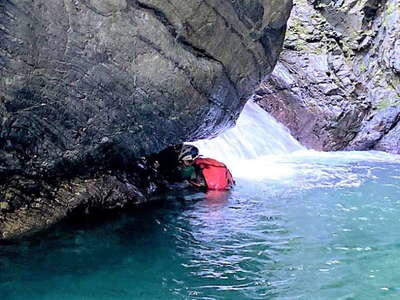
{"points": [[89, 89], [337, 83]]}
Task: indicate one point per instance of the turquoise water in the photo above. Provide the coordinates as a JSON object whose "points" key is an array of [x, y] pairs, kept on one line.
{"points": [[330, 230]]}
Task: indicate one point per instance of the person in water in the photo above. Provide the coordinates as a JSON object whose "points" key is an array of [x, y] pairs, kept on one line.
{"points": [[204, 172]]}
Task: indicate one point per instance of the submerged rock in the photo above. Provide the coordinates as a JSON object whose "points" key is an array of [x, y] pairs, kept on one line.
{"points": [[89, 87], [337, 73]]}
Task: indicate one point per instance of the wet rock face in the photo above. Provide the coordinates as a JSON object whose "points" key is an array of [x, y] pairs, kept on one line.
{"points": [[338, 73], [380, 127], [78, 78]]}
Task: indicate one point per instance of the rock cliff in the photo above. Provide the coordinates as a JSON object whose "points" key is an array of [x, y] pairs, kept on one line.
{"points": [[89, 87], [337, 84]]}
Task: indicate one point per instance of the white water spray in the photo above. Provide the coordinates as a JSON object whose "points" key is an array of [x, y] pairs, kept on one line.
{"points": [[251, 147], [259, 148], [256, 134]]}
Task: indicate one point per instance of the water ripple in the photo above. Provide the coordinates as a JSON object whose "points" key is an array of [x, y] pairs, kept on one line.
{"points": [[329, 232]]}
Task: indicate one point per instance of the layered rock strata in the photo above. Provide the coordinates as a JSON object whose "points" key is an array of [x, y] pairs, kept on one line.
{"points": [[337, 84], [89, 87]]}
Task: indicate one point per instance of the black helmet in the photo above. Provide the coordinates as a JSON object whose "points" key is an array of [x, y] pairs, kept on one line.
{"points": [[188, 152]]}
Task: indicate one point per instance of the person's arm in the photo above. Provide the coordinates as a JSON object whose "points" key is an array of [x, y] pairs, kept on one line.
{"points": [[198, 179]]}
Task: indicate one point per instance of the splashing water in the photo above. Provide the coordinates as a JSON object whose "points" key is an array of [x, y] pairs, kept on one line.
{"points": [[255, 135], [259, 148], [299, 224]]}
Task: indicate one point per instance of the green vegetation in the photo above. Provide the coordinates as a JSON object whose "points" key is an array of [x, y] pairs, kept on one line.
{"points": [[386, 103], [363, 68], [391, 8]]}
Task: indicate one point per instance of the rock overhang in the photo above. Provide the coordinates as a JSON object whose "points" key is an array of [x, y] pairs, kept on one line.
{"points": [[89, 85]]}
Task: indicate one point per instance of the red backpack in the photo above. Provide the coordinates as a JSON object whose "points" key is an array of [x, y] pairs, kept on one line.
{"points": [[216, 174]]}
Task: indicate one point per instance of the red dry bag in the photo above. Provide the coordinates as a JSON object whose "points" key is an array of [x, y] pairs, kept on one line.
{"points": [[216, 174]]}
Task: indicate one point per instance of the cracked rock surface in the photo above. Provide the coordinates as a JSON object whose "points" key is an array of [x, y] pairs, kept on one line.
{"points": [[337, 83], [88, 87]]}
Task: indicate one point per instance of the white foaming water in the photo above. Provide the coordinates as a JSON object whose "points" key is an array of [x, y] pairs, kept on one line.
{"points": [[259, 148], [256, 134]]}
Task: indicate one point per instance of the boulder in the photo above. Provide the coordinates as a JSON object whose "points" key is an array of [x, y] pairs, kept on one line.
{"points": [[391, 141], [89, 87], [374, 134]]}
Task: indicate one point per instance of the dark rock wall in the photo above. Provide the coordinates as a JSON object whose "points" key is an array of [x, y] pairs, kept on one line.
{"points": [[337, 84], [88, 86]]}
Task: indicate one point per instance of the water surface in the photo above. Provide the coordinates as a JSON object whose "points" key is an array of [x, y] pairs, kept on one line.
{"points": [[329, 230], [299, 225]]}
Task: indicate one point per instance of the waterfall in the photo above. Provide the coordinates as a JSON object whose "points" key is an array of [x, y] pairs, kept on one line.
{"points": [[251, 147], [259, 147], [256, 134]]}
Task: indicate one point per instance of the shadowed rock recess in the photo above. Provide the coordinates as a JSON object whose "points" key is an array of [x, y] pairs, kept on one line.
{"points": [[337, 83], [89, 88]]}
